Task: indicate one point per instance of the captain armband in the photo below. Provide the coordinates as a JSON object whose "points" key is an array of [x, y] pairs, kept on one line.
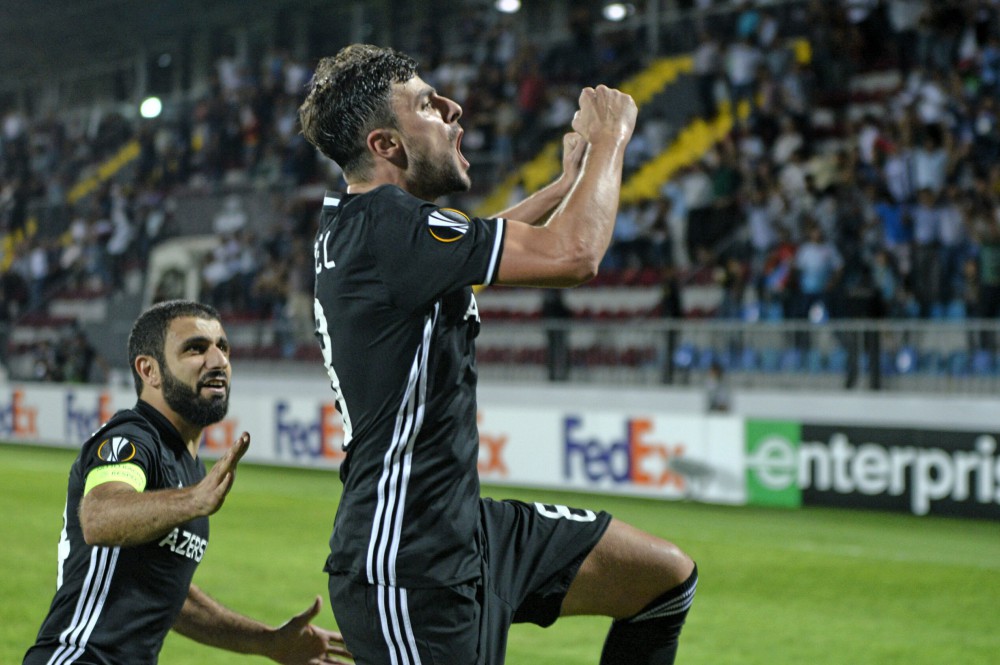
{"points": [[130, 474]]}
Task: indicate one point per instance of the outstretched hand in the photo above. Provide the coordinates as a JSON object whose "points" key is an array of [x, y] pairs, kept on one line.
{"points": [[298, 642], [214, 487]]}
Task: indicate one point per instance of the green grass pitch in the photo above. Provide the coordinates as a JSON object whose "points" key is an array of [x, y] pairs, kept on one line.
{"points": [[810, 586]]}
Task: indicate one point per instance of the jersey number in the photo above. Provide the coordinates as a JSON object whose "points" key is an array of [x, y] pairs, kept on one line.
{"points": [[557, 512], [326, 345], [62, 550]]}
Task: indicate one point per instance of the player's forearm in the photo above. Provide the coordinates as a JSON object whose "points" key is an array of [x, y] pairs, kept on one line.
{"points": [[535, 209], [205, 620], [586, 218], [120, 516]]}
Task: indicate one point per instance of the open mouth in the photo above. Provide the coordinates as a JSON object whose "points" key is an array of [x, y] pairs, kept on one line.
{"points": [[458, 149], [215, 385]]}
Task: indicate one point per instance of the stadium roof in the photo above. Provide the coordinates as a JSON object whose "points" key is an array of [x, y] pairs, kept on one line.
{"points": [[64, 37]]}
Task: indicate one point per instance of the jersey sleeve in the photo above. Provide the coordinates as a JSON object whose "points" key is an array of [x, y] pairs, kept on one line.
{"points": [[424, 251], [120, 455]]}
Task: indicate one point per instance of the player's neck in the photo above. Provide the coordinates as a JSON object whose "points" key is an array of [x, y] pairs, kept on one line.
{"points": [[190, 434], [383, 173], [363, 187]]}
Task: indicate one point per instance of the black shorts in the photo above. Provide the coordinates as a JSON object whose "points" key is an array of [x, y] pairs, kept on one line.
{"points": [[531, 553]]}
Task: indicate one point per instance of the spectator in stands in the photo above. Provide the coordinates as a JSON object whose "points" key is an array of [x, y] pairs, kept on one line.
{"points": [[818, 265], [267, 292], [762, 234], [940, 126], [741, 61], [778, 281], [707, 68], [694, 194], [657, 227], [81, 363], [630, 245], [886, 281], [903, 18], [952, 241], [732, 277], [926, 252], [719, 395], [931, 163], [38, 273], [670, 308], [46, 366], [120, 238], [987, 237], [232, 218], [555, 312]]}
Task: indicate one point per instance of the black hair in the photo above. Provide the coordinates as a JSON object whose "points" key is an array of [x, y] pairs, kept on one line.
{"points": [[349, 97], [149, 332]]}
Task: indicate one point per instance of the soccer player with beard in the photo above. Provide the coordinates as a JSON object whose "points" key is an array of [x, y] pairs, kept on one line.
{"points": [[136, 515], [422, 570]]}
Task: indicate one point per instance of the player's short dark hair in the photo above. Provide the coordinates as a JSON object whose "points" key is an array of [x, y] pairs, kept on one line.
{"points": [[349, 97], [149, 332]]}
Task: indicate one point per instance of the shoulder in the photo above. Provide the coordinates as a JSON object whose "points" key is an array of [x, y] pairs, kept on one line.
{"points": [[127, 426], [393, 198], [385, 201]]}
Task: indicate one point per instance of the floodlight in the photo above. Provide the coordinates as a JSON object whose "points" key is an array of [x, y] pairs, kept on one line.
{"points": [[618, 11], [508, 6], [150, 107]]}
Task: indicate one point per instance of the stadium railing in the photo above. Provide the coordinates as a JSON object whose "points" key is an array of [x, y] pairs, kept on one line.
{"points": [[897, 355]]}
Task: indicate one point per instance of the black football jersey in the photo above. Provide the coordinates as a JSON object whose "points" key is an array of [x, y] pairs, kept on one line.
{"points": [[116, 604], [397, 320]]}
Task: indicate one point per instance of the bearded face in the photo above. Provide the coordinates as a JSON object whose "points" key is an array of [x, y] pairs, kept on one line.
{"points": [[188, 403], [431, 177]]}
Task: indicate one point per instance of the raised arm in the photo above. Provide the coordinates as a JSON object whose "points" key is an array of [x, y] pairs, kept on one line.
{"points": [[115, 514], [535, 209], [296, 642], [567, 250]]}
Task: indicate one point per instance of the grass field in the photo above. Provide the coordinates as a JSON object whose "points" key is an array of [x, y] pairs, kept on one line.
{"points": [[812, 586]]}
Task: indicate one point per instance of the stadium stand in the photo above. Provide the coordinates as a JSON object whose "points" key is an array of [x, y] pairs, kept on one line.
{"points": [[811, 176]]}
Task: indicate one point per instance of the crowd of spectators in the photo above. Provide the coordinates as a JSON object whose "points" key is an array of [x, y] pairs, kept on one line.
{"points": [[831, 199], [821, 202], [242, 132]]}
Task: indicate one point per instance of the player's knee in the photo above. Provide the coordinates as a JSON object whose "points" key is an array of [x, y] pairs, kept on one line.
{"points": [[676, 567], [674, 603]]}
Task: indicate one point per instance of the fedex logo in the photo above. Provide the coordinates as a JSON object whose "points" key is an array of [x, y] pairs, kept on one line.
{"points": [[491, 460], [82, 422], [17, 419], [220, 436], [636, 458], [319, 438]]}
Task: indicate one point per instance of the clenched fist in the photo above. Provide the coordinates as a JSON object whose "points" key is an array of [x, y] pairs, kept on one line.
{"points": [[605, 114]]}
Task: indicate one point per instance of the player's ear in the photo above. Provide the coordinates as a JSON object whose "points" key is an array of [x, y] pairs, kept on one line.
{"points": [[386, 143], [149, 371]]}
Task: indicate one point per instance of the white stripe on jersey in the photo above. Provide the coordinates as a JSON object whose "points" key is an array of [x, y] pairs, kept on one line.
{"points": [[388, 521], [397, 531], [495, 255], [394, 614], [331, 201], [89, 605]]}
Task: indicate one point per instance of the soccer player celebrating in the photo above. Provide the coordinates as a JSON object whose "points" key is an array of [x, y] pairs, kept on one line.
{"points": [[421, 569], [136, 517]]}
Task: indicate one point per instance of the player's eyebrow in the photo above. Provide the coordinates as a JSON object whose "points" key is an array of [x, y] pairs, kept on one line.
{"points": [[425, 94], [204, 340]]}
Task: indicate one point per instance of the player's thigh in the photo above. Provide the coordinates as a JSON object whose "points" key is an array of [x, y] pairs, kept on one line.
{"points": [[382, 625], [625, 571]]}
